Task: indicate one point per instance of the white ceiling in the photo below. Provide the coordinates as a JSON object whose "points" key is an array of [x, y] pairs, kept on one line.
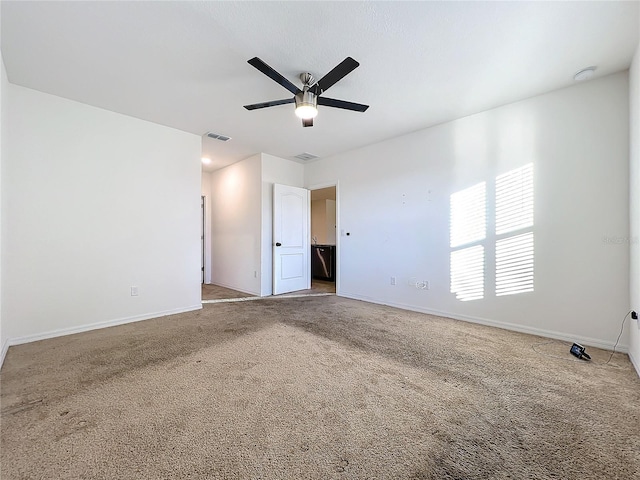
{"points": [[184, 64]]}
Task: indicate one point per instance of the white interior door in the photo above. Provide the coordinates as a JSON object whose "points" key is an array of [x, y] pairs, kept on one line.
{"points": [[291, 267]]}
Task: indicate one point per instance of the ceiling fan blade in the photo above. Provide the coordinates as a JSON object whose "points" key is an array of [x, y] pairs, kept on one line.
{"points": [[307, 122], [272, 103], [332, 102], [273, 75], [341, 70]]}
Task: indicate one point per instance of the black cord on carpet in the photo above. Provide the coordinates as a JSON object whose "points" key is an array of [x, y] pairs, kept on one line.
{"points": [[569, 359]]}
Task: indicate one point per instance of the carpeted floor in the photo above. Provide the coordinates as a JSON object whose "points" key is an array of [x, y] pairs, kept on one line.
{"points": [[317, 388], [216, 292]]}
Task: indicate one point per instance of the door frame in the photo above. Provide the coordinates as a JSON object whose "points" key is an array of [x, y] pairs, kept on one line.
{"points": [[203, 239], [318, 186], [206, 241]]}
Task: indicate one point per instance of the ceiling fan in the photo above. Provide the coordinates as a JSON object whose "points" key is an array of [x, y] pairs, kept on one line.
{"points": [[308, 99]]}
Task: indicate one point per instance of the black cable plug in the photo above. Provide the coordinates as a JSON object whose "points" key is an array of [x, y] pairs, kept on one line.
{"points": [[634, 315]]}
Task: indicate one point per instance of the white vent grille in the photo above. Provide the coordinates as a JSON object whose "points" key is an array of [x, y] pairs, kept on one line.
{"points": [[306, 156], [217, 136]]}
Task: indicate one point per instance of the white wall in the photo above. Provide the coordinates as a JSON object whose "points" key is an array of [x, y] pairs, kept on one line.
{"points": [[394, 202], [3, 126], [95, 202], [205, 191], [236, 212], [634, 193], [323, 221], [284, 172], [319, 220], [242, 221]]}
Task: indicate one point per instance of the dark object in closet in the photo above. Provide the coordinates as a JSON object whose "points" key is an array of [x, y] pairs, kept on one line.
{"points": [[323, 262]]}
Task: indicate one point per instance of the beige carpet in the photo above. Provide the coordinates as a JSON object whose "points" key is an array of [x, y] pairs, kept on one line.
{"points": [[216, 292], [318, 388]]}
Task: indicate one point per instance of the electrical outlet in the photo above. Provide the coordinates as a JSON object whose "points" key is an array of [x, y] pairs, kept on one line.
{"points": [[134, 291], [393, 280]]}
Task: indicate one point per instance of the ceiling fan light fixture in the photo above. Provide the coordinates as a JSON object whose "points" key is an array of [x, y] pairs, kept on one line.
{"points": [[306, 105], [306, 112]]}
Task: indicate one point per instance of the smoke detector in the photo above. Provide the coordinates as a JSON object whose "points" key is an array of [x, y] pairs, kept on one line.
{"points": [[584, 74]]}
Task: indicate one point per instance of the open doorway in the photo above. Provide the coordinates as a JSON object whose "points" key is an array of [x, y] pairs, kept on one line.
{"points": [[324, 252]]}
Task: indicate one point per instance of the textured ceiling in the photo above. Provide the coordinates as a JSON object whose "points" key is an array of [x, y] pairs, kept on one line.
{"points": [[184, 64]]}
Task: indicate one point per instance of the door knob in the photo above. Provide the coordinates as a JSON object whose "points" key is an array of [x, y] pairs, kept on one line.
{"points": [[278, 244]]}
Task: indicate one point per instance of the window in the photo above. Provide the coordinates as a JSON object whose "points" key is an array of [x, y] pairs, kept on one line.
{"points": [[468, 225], [514, 264], [513, 238], [514, 200], [514, 213], [468, 215], [467, 273]]}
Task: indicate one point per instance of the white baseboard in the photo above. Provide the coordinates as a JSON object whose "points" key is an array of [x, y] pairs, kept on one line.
{"points": [[3, 352], [634, 362], [593, 342], [91, 326]]}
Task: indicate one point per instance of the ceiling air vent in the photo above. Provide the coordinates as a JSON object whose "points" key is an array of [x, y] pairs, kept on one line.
{"points": [[306, 156], [217, 136]]}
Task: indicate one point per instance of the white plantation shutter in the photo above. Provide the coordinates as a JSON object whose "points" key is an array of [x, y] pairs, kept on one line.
{"points": [[514, 212], [514, 200], [467, 273], [468, 220], [468, 224], [513, 237], [514, 264]]}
